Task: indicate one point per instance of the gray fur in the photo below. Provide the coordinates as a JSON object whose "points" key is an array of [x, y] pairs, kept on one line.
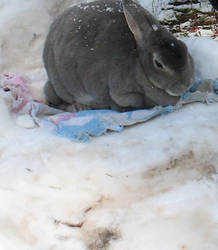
{"points": [[105, 54]]}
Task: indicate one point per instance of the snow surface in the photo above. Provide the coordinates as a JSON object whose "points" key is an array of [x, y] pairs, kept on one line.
{"points": [[154, 186]]}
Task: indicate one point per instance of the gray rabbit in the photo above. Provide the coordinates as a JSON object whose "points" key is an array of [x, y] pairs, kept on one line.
{"points": [[111, 55]]}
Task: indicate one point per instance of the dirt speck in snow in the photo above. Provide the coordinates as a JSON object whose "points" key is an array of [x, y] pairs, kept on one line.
{"points": [[101, 238]]}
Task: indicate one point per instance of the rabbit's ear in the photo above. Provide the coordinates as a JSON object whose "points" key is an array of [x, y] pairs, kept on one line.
{"points": [[140, 21]]}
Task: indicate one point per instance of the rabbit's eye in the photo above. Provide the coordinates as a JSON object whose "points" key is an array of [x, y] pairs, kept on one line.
{"points": [[158, 64]]}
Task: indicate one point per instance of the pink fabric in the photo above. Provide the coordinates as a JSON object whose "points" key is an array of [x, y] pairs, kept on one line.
{"points": [[19, 86]]}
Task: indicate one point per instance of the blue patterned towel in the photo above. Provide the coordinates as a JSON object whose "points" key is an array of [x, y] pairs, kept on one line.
{"points": [[80, 126]]}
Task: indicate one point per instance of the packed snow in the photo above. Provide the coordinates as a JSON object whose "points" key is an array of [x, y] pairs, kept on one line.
{"points": [[154, 186]]}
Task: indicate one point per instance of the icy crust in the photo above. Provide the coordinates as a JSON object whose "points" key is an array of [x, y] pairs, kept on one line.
{"points": [[189, 18], [168, 9]]}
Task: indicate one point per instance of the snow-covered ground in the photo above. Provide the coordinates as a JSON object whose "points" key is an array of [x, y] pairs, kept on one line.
{"points": [[153, 186]]}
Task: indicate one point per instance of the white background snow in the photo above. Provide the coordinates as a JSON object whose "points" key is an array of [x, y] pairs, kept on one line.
{"points": [[154, 186]]}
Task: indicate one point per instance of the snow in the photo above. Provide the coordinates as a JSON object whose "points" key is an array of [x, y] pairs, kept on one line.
{"points": [[153, 186], [205, 56], [155, 27], [109, 9]]}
